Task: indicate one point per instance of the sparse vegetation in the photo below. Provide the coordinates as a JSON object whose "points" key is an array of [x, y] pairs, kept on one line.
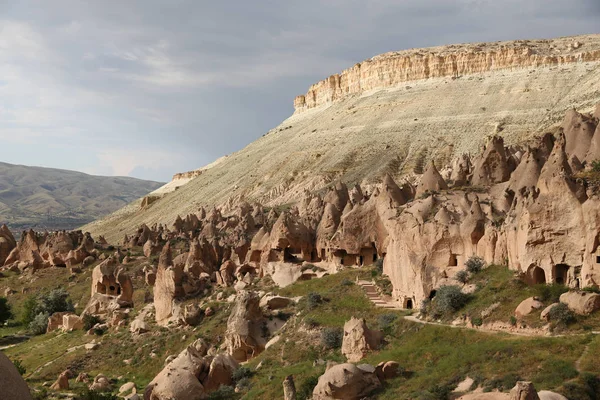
{"points": [[331, 338], [462, 276], [448, 299], [561, 315], [474, 264]]}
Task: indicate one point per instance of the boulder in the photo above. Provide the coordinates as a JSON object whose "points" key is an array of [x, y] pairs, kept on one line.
{"points": [[546, 311], [547, 395], [359, 339], [71, 322], [387, 370], [221, 370], [582, 303], [289, 388], [275, 302], [12, 383], [100, 384], [62, 383], [524, 391], [138, 326], [527, 306], [345, 381]]}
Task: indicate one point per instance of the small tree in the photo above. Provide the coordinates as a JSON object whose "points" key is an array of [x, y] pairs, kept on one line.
{"points": [[39, 324], [474, 264], [5, 310], [462, 276], [562, 315]]}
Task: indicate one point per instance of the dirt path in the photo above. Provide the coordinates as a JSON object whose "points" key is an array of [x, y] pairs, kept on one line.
{"points": [[583, 354]]}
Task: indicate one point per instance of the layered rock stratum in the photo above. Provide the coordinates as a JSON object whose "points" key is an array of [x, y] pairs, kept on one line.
{"points": [[392, 125]]}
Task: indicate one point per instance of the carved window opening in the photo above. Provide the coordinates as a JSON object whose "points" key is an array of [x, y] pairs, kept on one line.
{"points": [[453, 261]]}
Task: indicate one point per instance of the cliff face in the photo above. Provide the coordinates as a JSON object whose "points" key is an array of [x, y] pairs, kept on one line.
{"points": [[394, 68], [397, 131]]}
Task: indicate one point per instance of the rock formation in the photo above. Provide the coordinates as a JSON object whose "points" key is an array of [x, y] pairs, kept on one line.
{"points": [[394, 68], [359, 339], [346, 381], [244, 338]]}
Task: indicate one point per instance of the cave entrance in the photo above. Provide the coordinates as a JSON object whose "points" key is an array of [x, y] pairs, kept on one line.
{"points": [[536, 275], [453, 261], [432, 294], [408, 304], [361, 260], [289, 255], [561, 272]]}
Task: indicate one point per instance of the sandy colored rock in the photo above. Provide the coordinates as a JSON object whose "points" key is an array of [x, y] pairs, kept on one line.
{"points": [[62, 383], [582, 303], [243, 338], [12, 384], [359, 340], [524, 391], [527, 306], [345, 381]]}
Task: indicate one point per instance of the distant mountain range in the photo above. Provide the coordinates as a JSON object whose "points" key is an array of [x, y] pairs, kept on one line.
{"points": [[52, 199]]}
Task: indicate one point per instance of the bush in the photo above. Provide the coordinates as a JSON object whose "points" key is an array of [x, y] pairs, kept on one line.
{"points": [[596, 165], [386, 322], [477, 321], [20, 368], [561, 315], [331, 338], [88, 394], [39, 324], [503, 383], [449, 299], [550, 293], [223, 393], [5, 311], [241, 373], [313, 300], [379, 265], [462, 276], [347, 282], [474, 264], [89, 321], [56, 301], [305, 389]]}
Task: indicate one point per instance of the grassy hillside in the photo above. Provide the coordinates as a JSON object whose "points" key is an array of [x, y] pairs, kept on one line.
{"points": [[45, 198], [433, 358]]}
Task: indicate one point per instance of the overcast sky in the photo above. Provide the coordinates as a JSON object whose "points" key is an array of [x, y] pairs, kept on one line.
{"points": [[148, 88]]}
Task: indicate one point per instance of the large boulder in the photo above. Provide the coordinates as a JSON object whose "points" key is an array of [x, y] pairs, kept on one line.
{"points": [[346, 381], [12, 383], [527, 306], [244, 338], [62, 383], [582, 303], [7, 243], [359, 339]]}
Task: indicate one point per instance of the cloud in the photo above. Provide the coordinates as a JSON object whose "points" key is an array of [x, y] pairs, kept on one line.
{"points": [[150, 88]]}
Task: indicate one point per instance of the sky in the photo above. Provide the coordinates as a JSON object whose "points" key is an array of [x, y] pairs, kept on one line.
{"points": [[149, 88]]}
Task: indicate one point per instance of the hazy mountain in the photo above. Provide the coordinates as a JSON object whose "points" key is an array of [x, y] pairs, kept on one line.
{"points": [[46, 198]]}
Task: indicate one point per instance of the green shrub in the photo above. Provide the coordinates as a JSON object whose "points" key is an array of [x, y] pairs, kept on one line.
{"points": [[89, 321], [331, 338], [379, 265], [313, 300], [503, 383], [56, 301], [513, 320], [560, 314], [477, 321], [305, 389], [462, 276], [550, 293], [223, 393], [347, 282], [474, 264], [241, 373], [386, 322], [5, 311], [39, 324], [88, 394], [20, 368], [596, 165], [448, 299]]}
